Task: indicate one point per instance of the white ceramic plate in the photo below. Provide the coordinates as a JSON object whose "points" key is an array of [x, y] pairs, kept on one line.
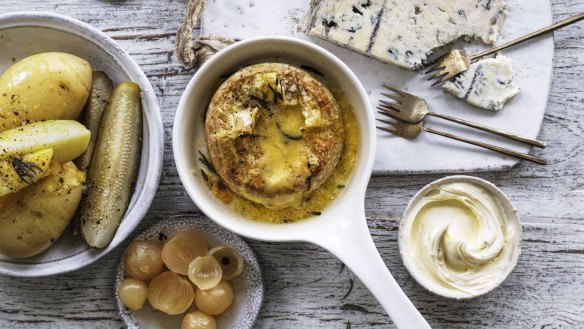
{"points": [[28, 33], [248, 287], [428, 153]]}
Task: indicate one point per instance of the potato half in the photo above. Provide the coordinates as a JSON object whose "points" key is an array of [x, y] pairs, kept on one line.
{"points": [[32, 219], [67, 138], [43, 87], [19, 172]]}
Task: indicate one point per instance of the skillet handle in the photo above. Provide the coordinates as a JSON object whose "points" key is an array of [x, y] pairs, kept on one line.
{"points": [[351, 242]]}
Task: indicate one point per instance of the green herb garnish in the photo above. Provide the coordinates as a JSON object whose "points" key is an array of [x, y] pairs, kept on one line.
{"points": [[350, 289], [205, 176], [353, 307], [25, 170], [203, 159], [260, 102], [277, 94]]}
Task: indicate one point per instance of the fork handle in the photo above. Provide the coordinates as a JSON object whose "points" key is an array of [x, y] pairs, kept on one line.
{"points": [[497, 132], [489, 146], [530, 36]]}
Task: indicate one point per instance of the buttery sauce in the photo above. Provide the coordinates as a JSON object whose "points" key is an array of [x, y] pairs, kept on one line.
{"points": [[317, 201]]}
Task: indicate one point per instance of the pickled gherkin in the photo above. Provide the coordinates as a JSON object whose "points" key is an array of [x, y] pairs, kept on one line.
{"points": [[114, 166]]}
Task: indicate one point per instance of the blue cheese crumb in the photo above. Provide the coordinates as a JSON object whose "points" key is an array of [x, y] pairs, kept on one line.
{"points": [[487, 84], [404, 32]]}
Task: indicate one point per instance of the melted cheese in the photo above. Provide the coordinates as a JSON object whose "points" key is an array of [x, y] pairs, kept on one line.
{"points": [[321, 197], [282, 157]]}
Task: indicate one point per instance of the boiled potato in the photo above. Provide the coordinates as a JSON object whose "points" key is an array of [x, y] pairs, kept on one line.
{"points": [[32, 219], [47, 86], [17, 173], [67, 138]]}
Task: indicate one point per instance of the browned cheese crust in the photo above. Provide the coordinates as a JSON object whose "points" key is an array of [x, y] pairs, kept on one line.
{"points": [[274, 133]]}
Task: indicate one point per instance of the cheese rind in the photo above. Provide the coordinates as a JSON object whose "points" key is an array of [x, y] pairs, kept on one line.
{"points": [[487, 84], [404, 32]]}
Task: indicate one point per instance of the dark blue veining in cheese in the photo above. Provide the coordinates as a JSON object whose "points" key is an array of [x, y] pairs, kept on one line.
{"points": [[404, 32], [487, 84]]}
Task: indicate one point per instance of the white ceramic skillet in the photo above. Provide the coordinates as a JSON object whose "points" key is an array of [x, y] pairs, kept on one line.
{"points": [[342, 227]]}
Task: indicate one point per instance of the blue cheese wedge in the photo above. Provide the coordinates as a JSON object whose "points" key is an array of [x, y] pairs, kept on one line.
{"points": [[404, 32], [487, 84]]}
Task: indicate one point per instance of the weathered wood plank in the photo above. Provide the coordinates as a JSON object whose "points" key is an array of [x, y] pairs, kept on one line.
{"points": [[309, 291], [303, 284]]}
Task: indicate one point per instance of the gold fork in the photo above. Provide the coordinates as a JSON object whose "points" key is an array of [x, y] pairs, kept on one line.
{"points": [[413, 109], [412, 130], [457, 61]]}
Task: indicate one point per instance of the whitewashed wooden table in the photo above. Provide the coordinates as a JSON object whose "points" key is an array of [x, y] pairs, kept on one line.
{"points": [[303, 285]]}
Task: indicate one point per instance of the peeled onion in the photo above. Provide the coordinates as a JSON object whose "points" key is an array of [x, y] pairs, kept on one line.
{"points": [[182, 249], [216, 300], [132, 293], [198, 320], [143, 259], [205, 272], [230, 261], [170, 293]]}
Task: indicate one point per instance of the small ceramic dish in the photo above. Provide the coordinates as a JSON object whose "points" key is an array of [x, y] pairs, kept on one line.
{"points": [[248, 288], [341, 228], [463, 245], [26, 33]]}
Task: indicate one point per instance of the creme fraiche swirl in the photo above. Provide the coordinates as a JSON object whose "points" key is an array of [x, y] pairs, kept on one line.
{"points": [[457, 241]]}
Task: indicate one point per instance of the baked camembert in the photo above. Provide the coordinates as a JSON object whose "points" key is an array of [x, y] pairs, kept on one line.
{"points": [[274, 134]]}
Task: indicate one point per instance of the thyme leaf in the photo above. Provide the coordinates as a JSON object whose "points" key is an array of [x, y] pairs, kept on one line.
{"points": [[350, 289], [353, 307], [260, 102], [203, 159], [288, 135], [205, 176], [277, 94], [25, 170]]}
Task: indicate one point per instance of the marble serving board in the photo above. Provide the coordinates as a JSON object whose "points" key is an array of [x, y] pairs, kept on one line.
{"points": [[524, 114]]}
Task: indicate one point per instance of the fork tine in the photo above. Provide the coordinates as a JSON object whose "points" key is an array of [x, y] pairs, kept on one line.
{"points": [[393, 132], [391, 123], [440, 78], [387, 122], [392, 106], [392, 116], [389, 110], [435, 63], [438, 75], [397, 91], [385, 109], [435, 68], [389, 115], [401, 92], [396, 98]]}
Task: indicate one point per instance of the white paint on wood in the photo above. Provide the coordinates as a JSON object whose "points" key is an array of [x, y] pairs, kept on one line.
{"points": [[303, 284]]}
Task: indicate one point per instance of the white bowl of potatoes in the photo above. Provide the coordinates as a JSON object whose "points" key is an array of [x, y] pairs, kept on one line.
{"points": [[81, 144]]}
